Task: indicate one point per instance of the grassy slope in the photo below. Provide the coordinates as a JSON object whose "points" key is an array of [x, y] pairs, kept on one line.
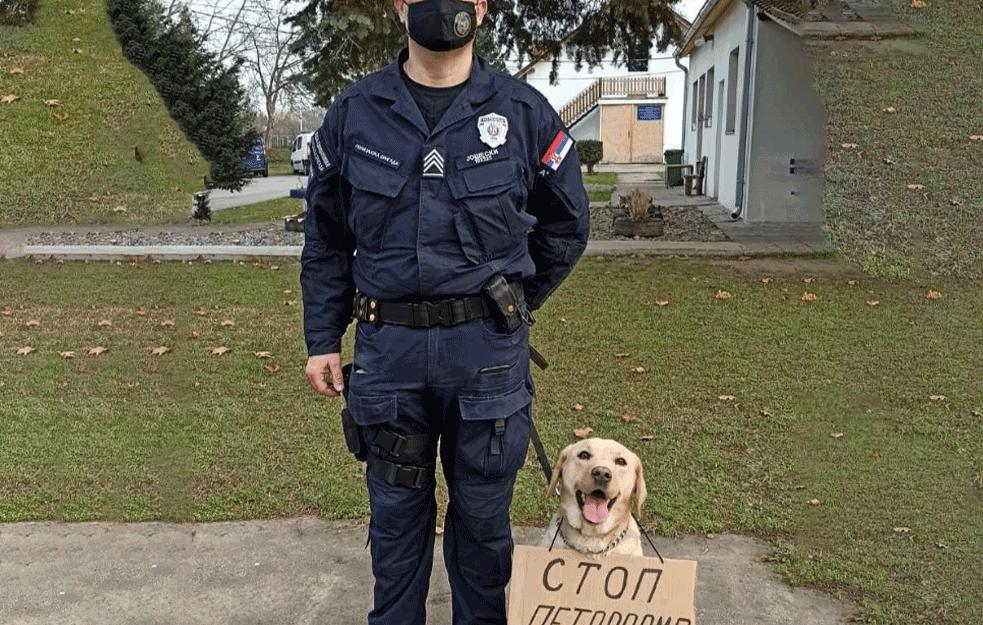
{"points": [[53, 169], [872, 215]]}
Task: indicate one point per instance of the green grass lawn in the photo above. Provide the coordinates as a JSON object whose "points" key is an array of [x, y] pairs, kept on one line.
{"points": [[270, 210], [866, 401]]}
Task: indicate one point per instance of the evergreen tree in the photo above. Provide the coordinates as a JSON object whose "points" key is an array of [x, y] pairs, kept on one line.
{"points": [[204, 97], [344, 40]]}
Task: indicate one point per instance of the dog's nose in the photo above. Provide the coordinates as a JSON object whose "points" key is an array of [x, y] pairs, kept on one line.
{"points": [[601, 475]]}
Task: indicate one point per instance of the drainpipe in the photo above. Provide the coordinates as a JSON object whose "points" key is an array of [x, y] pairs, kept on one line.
{"points": [[745, 110], [675, 57]]}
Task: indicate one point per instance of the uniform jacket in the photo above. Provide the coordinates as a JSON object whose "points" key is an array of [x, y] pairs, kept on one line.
{"points": [[495, 188]]}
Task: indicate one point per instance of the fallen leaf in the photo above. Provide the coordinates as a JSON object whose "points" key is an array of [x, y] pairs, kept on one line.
{"points": [[52, 102], [61, 116], [888, 161], [662, 303], [17, 70], [976, 137], [24, 351], [852, 282], [167, 323], [7, 312], [202, 312], [219, 351], [622, 355], [105, 322], [917, 4], [628, 417], [95, 351], [119, 209], [142, 312], [873, 303], [814, 502], [937, 397], [67, 355], [194, 334], [933, 295], [272, 368], [916, 187], [228, 322], [890, 110], [646, 438], [849, 146], [7, 99], [159, 351], [955, 202], [901, 530], [766, 280], [578, 406], [639, 369], [32, 323], [723, 295], [584, 433], [725, 397], [836, 434], [808, 280], [809, 297], [262, 355]]}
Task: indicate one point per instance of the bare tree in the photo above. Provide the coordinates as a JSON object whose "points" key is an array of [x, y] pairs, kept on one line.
{"points": [[257, 32]]}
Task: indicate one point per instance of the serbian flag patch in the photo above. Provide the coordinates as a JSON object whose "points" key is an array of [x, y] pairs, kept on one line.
{"points": [[558, 149]]}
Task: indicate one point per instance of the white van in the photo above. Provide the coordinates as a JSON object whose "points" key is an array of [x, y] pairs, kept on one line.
{"points": [[300, 153]]}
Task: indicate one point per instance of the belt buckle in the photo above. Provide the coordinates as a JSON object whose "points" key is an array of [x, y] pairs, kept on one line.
{"points": [[440, 313]]}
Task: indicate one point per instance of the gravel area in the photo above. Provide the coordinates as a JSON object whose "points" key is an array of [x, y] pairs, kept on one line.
{"points": [[682, 223]]}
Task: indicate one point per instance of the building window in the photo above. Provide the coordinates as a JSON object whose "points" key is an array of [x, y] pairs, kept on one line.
{"points": [[701, 99], [732, 90], [708, 118], [649, 112], [694, 101]]}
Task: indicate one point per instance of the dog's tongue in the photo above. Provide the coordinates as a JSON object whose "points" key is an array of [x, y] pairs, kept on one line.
{"points": [[595, 509]]}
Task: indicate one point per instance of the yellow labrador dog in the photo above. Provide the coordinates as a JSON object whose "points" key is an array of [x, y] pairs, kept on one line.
{"points": [[595, 479]]}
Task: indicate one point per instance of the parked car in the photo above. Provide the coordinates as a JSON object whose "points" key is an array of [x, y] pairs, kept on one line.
{"points": [[255, 162], [300, 153]]}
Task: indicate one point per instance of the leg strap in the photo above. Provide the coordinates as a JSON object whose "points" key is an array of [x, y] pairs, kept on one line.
{"points": [[400, 474]]}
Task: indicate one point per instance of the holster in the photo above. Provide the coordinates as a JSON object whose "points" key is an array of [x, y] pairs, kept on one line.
{"points": [[353, 433], [510, 307]]}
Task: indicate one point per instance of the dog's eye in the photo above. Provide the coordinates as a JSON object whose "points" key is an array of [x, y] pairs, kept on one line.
{"points": [[621, 462], [584, 455]]}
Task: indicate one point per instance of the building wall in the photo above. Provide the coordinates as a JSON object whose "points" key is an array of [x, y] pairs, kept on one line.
{"points": [[711, 138], [788, 123]]}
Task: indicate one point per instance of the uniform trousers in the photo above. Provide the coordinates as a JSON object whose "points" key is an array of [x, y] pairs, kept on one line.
{"points": [[468, 387]]}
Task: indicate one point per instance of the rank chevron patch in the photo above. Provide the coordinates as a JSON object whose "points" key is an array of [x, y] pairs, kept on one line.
{"points": [[433, 164]]}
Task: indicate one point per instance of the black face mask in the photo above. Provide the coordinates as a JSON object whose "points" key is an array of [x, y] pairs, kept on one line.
{"points": [[441, 25]]}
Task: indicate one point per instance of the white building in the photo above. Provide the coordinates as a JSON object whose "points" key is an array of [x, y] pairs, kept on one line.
{"points": [[635, 110], [752, 111]]}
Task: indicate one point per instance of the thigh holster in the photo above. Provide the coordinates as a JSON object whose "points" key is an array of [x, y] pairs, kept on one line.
{"points": [[411, 447]]}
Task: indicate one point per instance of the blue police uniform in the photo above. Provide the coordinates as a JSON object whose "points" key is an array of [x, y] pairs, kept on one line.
{"points": [[494, 189]]}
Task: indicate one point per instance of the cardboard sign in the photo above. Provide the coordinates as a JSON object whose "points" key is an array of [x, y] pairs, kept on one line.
{"points": [[561, 587]]}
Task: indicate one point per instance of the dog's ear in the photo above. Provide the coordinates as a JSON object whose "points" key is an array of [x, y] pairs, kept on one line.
{"points": [[640, 492], [561, 459]]}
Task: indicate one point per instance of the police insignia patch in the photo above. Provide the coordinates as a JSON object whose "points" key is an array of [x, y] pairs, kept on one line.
{"points": [[492, 129]]}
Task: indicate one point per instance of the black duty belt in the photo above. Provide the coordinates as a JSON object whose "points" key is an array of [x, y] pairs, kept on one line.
{"points": [[444, 312]]}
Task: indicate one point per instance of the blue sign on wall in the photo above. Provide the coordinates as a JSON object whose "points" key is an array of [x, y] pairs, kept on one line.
{"points": [[649, 112]]}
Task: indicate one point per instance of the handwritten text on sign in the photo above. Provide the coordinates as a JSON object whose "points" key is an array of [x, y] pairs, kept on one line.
{"points": [[561, 587]]}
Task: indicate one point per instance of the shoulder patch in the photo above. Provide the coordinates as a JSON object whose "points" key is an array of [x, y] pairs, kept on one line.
{"points": [[557, 151]]}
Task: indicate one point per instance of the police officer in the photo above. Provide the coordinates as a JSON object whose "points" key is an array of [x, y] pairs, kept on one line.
{"points": [[445, 203]]}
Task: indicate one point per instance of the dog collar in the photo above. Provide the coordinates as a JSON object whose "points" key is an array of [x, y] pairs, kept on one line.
{"points": [[611, 545]]}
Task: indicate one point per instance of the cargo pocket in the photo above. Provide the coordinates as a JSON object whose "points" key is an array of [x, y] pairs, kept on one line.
{"points": [[372, 409], [375, 187], [494, 433], [489, 222]]}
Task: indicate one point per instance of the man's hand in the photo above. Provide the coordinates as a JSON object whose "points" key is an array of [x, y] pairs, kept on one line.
{"points": [[324, 374]]}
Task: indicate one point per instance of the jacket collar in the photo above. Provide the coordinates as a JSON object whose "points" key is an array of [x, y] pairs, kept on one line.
{"points": [[390, 86]]}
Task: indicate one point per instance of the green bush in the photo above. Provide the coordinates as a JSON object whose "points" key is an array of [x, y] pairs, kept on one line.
{"points": [[590, 152]]}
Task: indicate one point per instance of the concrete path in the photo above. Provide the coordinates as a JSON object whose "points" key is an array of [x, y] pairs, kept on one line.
{"points": [[306, 571]]}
